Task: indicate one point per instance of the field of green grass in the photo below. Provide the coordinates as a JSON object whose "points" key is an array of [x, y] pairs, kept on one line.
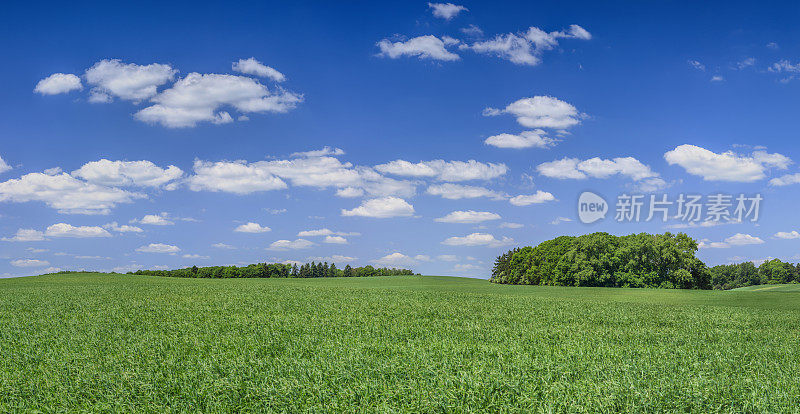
{"points": [[121, 343], [789, 287]]}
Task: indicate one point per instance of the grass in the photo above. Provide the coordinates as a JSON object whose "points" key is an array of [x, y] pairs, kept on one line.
{"points": [[119, 343], [789, 287]]}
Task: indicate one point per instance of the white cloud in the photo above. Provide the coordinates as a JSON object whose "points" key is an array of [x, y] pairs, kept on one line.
{"points": [[447, 257], [4, 166], [727, 166], [696, 64], [223, 246], [252, 228], [236, 177], [290, 244], [325, 232], [325, 151], [58, 83], [478, 239], [194, 256], [540, 112], [465, 267], [787, 179], [511, 225], [738, 239], [199, 97], [444, 170], [335, 240], [350, 192], [525, 139], [381, 208], [29, 263], [717, 78], [332, 258], [158, 248], [26, 235], [446, 10], [395, 259], [129, 81], [458, 192], [538, 198], [114, 226], [253, 67], [573, 168], [424, 47], [423, 258], [559, 220], [469, 216], [68, 230], [526, 48], [156, 220], [65, 193], [127, 173], [787, 235], [472, 30]]}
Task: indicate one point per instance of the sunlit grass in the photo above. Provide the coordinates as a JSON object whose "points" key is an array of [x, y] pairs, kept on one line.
{"points": [[426, 344]]}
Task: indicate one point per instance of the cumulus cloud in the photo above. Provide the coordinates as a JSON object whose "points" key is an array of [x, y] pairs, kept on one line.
{"points": [[787, 235], [236, 177], [478, 239], [290, 244], [423, 47], [124, 228], [223, 246], [127, 173], [446, 11], [574, 168], [129, 81], [4, 166], [540, 112], [199, 97], [26, 235], [325, 232], [537, 198], [738, 239], [65, 193], [726, 166], [526, 48], [787, 179], [324, 152], [160, 219], [29, 263], [158, 248], [559, 220], [459, 191], [58, 83], [252, 228], [68, 230], [509, 225], [335, 240], [442, 170], [395, 259], [385, 207], [447, 257], [525, 139], [468, 216], [253, 67]]}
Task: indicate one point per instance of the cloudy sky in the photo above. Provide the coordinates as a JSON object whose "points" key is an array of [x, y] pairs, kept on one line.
{"points": [[425, 135]]}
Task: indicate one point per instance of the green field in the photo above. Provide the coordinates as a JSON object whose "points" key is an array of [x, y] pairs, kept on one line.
{"points": [[790, 287], [91, 342]]}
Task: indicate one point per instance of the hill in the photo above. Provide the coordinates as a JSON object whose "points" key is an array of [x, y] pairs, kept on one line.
{"points": [[787, 287]]}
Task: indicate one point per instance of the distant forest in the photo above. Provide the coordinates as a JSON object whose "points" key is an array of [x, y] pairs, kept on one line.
{"points": [[637, 260], [307, 270]]}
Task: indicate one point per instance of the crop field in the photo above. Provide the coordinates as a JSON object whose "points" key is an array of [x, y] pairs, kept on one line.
{"points": [[123, 343]]}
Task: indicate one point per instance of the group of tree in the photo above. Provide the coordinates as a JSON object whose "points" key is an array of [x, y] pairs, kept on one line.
{"points": [[770, 272], [601, 259], [306, 270]]}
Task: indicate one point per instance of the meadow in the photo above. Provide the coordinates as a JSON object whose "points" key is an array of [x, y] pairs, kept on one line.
{"points": [[130, 343]]}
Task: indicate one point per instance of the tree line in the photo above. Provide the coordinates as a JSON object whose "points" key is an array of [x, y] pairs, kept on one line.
{"points": [[601, 259], [307, 270], [738, 275]]}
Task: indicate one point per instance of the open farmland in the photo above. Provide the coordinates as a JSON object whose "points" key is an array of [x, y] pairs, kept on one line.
{"points": [[99, 342]]}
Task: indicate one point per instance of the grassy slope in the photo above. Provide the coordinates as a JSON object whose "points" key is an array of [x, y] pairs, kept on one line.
{"points": [[122, 343], [791, 287]]}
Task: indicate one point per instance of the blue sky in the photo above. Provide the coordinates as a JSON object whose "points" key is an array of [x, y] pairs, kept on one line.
{"points": [[400, 134]]}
